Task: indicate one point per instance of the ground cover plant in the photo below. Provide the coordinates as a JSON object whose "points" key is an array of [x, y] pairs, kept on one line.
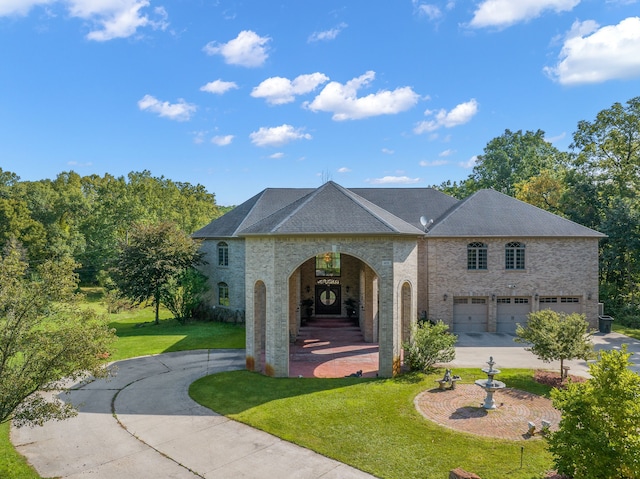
{"points": [[372, 424]]}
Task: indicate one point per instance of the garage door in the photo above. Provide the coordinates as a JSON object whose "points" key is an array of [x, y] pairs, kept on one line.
{"points": [[469, 315], [511, 312], [562, 304]]}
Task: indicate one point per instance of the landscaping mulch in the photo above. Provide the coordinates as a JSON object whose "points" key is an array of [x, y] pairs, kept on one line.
{"points": [[552, 378]]}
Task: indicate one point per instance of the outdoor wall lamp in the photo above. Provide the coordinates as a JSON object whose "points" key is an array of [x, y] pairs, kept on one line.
{"points": [[589, 296], [308, 289], [347, 288], [493, 297], [535, 296], [444, 297]]}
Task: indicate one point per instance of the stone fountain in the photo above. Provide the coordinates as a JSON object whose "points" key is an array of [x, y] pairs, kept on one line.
{"points": [[490, 385]]}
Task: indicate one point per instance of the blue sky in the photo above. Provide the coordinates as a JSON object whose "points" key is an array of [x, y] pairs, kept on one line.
{"points": [[240, 96]]}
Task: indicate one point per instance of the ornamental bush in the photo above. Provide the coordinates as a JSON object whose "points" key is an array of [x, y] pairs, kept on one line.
{"points": [[429, 344]]}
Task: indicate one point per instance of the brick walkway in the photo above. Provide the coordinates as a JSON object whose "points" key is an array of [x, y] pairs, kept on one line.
{"points": [[461, 409]]}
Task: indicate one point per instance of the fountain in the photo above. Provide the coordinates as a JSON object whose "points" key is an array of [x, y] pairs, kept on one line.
{"points": [[490, 385]]}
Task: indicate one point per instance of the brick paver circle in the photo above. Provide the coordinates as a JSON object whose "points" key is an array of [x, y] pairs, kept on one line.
{"points": [[461, 409]]}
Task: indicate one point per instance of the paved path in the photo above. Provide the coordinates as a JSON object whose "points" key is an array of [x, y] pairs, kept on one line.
{"points": [[142, 424], [474, 349]]}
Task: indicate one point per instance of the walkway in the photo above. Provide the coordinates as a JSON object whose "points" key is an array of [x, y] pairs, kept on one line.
{"points": [[142, 424]]}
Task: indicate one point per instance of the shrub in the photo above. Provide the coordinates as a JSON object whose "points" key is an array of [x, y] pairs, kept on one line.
{"points": [[430, 344]]}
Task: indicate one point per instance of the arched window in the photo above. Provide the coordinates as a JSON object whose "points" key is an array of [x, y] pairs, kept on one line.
{"points": [[223, 254], [476, 256], [514, 255], [223, 294]]}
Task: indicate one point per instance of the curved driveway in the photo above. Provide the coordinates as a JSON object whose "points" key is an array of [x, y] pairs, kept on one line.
{"points": [[142, 424]]}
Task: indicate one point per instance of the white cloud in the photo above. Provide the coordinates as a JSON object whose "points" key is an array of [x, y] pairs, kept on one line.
{"points": [[78, 164], [279, 90], [433, 163], [446, 153], [248, 49], [432, 12], [387, 151], [460, 115], [180, 111], [278, 135], [20, 7], [594, 55], [117, 18], [277, 156], [504, 13], [469, 163], [343, 102], [110, 18], [219, 87], [327, 35], [344, 169], [222, 140], [393, 180]]}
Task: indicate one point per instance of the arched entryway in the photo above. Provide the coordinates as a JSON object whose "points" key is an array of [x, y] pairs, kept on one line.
{"points": [[334, 328]]}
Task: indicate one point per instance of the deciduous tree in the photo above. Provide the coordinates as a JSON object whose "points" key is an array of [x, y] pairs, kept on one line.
{"points": [[44, 337], [430, 344], [554, 336], [154, 255], [599, 433]]}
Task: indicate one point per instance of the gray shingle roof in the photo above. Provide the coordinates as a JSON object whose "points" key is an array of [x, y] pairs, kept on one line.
{"points": [[491, 213], [332, 209]]}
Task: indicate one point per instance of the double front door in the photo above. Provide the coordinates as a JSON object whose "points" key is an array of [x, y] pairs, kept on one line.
{"points": [[328, 299]]}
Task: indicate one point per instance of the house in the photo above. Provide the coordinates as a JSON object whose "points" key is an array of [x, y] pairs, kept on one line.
{"points": [[480, 264]]}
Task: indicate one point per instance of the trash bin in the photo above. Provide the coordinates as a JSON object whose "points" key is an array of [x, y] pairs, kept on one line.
{"points": [[604, 324]]}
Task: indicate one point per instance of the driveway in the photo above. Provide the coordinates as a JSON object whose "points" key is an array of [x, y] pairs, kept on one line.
{"points": [[142, 424], [474, 349]]}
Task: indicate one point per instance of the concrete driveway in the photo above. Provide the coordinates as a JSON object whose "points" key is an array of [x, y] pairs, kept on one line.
{"points": [[142, 424], [474, 350]]}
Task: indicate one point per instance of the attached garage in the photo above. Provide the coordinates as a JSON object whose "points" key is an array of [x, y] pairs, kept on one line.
{"points": [[469, 315], [511, 312], [562, 304]]}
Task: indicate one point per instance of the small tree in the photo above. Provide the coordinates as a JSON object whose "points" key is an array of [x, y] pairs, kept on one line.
{"points": [[153, 255], [45, 337], [599, 433], [182, 294], [556, 336], [430, 344]]}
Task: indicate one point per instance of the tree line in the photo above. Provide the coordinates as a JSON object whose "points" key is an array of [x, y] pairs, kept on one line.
{"points": [[595, 184], [88, 218]]}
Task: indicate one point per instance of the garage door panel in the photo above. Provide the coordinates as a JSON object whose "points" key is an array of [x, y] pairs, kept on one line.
{"points": [[562, 304], [510, 313], [469, 315]]}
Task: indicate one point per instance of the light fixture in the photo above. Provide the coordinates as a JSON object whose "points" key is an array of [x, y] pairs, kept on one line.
{"points": [[493, 297], [444, 297], [535, 296], [589, 296], [347, 288], [308, 289]]}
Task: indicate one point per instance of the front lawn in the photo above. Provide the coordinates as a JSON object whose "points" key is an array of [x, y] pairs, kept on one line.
{"points": [[372, 424]]}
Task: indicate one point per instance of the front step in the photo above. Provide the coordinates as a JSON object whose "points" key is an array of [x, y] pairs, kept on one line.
{"points": [[331, 329]]}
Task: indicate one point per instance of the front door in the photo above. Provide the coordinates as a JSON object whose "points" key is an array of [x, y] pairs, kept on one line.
{"points": [[328, 299]]}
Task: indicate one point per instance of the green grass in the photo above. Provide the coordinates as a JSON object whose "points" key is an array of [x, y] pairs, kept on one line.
{"points": [[372, 424], [627, 331], [12, 464]]}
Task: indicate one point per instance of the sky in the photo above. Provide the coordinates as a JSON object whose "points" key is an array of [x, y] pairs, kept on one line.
{"points": [[244, 95]]}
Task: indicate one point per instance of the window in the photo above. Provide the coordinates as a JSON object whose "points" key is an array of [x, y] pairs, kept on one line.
{"points": [[223, 294], [476, 256], [223, 254], [328, 264], [569, 300], [549, 300], [514, 255]]}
